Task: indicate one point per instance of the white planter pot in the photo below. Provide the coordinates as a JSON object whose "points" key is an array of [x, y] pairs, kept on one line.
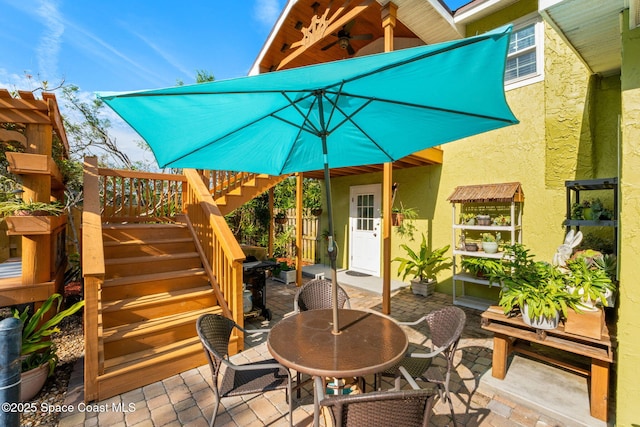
{"points": [[490, 247], [32, 382], [540, 322], [423, 288]]}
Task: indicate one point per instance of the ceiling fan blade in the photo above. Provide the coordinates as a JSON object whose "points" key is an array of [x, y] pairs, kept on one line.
{"points": [[362, 37], [329, 45], [350, 50], [347, 27]]}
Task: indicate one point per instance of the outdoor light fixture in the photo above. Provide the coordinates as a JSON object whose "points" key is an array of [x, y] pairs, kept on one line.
{"points": [[343, 43]]}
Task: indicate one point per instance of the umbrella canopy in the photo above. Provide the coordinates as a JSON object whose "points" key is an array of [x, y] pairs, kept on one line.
{"points": [[367, 110]]}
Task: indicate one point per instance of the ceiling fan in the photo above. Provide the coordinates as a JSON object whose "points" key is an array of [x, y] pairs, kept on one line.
{"points": [[344, 38]]}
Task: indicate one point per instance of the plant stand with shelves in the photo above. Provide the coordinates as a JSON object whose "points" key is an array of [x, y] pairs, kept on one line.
{"points": [[492, 199]]}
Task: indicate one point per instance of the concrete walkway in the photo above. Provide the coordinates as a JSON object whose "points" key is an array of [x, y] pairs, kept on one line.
{"points": [[187, 400]]}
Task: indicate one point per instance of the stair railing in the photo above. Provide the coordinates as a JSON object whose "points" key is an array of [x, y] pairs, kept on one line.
{"points": [[221, 182], [217, 244]]}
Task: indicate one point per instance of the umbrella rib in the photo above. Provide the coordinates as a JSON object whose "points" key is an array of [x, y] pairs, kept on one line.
{"points": [[428, 107]]}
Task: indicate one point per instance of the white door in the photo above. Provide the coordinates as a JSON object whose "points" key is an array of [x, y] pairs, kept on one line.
{"points": [[364, 229]]}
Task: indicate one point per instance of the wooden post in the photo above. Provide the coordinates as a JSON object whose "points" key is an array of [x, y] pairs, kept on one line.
{"points": [[388, 23], [272, 225], [599, 388], [36, 249], [299, 182], [501, 350]]}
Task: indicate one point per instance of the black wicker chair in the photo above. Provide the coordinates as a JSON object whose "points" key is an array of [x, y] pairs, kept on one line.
{"points": [[445, 327], [235, 380], [316, 295], [406, 408]]}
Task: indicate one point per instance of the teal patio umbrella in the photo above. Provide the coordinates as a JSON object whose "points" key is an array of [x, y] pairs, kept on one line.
{"points": [[367, 110]]}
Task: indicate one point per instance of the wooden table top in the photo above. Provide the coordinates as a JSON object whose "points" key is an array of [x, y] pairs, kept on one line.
{"points": [[368, 343]]}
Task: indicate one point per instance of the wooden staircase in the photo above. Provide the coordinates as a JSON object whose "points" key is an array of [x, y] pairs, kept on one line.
{"points": [[230, 196], [154, 290]]}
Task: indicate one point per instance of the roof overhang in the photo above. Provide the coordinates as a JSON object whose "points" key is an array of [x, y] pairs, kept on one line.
{"points": [[428, 20], [591, 28]]}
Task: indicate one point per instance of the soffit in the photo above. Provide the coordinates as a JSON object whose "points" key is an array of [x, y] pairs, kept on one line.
{"points": [[592, 27]]}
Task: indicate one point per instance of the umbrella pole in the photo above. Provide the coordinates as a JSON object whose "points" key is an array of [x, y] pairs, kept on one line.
{"points": [[331, 246]]}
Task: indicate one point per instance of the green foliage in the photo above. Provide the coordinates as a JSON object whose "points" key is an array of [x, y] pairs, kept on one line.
{"points": [[425, 264], [589, 281], [479, 266], [407, 227], [10, 207], [538, 284], [37, 348], [490, 237], [312, 194]]}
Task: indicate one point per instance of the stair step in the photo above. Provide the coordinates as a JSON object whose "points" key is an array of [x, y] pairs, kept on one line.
{"points": [[146, 284], [132, 310], [149, 247], [131, 338], [151, 365], [120, 267], [127, 232]]}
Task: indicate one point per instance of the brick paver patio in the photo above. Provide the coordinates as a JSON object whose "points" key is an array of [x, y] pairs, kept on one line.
{"points": [[187, 400]]}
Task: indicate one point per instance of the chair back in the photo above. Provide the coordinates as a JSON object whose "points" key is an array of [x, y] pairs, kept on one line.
{"points": [[215, 332], [316, 295], [446, 325], [406, 408]]}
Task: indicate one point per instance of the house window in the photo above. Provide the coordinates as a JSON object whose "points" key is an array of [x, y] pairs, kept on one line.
{"points": [[524, 59]]}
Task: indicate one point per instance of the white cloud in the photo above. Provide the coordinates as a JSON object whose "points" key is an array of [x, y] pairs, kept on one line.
{"points": [[266, 11], [49, 45]]}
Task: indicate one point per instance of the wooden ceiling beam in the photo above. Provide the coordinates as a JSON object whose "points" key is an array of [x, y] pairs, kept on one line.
{"points": [[323, 26]]}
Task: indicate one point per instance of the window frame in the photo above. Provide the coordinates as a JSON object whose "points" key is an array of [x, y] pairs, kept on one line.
{"points": [[538, 76]]}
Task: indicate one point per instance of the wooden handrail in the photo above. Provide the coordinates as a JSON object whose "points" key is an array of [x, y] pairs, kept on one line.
{"points": [[217, 243]]}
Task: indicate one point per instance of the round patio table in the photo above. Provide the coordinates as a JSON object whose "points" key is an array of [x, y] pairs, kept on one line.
{"points": [[367, 343]]}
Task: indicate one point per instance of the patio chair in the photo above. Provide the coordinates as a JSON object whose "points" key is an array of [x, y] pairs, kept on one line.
{"points": [[445, 327], [316, 295], [235, 380], [406, 408]]}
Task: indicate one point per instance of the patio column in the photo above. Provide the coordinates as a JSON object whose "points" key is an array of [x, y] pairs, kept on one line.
{"points": [[389, 12], [272, 225], [299, 181]]}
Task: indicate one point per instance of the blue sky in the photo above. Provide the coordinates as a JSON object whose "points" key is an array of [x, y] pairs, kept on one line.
{"points": [[117, 45]]}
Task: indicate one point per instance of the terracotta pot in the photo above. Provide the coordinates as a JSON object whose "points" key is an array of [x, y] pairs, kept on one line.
{"points": [[33, 381], [396, 219]]}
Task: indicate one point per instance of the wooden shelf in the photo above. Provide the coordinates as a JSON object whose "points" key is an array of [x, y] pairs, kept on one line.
{"points": [[34, 225], [35, 164]]}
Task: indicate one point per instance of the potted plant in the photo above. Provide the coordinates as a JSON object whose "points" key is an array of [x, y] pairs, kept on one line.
{"points": [[490, 242], [481, 267], [280, 218], [285, 272], [483, 219], [402, 218], [468, 218], [38, 352], [534, 288], [502, 220], [22, 208], [589, 280], [423, 266]]}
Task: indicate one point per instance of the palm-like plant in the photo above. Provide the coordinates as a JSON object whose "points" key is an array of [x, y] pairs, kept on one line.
{"points": [[425, 264]]}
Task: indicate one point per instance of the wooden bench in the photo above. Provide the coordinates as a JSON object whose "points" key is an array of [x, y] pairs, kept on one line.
{"points": [[511, 334]]}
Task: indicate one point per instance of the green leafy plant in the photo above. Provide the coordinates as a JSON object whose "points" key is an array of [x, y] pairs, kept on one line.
{"points": [[466, 217], [538, 284], [404, 221], [589, 282], [425, 264], [502, 220], [20, 207], [482, 267], [37, 348], [490, 237]]}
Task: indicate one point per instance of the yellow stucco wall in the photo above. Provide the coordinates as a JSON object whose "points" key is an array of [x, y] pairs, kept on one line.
{"points": [[628, 352]]}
